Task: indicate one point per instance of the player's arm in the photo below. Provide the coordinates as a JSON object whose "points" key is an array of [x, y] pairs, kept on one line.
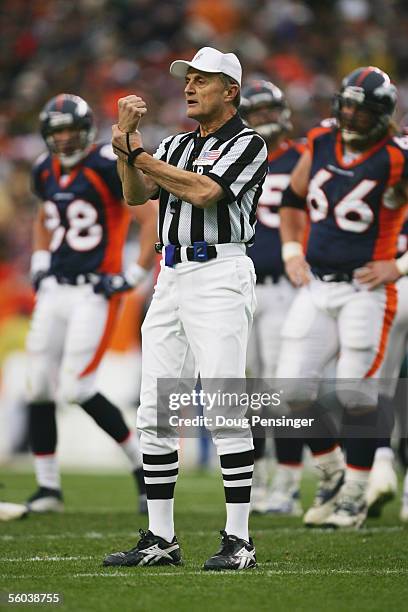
{"points": [[41, 257], [140, 179], [293, 222]]}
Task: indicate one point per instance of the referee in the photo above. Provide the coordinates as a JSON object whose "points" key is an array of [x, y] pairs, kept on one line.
{"points": [[208, 182]]}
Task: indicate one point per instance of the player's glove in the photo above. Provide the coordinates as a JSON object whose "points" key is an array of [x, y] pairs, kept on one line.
{"points": [[39, 267], [109, 284]]}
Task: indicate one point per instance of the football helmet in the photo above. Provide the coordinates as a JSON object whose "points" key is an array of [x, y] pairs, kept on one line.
{"points": [[369, 89], [258, 94], [72, 112]]}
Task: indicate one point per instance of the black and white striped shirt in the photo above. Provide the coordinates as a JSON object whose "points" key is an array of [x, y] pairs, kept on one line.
{"points": [[236, 158]]}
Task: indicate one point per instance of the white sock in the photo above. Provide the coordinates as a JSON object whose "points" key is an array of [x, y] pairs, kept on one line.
{"points": [[384, 452], [47, 472], [333, 460], [292, 472], [237, 520], [131, 449], [357, 476], [161, 520]]}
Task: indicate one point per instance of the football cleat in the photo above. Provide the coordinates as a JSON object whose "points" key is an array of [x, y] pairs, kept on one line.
{"points": [[45, 500], [382, 485], [150, 550], [284, 495], [329, 485], [234, 554], [350, 510], [259, 486], [10, 512]]}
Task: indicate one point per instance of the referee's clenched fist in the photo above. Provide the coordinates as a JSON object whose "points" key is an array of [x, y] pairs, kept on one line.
{"points": [[130, 110], [208, 181]]}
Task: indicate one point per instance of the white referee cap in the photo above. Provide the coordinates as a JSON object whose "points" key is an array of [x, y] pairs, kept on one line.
{"points": [[209, 59]]}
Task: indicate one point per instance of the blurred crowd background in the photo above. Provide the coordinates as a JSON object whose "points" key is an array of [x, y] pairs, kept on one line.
{"points": [[105, 49]]}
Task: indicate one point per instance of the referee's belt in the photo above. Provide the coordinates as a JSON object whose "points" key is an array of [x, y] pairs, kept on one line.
{"points": [[333, 277], [200, 252]]}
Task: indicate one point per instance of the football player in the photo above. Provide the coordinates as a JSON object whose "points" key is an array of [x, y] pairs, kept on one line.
{"points": [[382, 486], [76, 268], [353, 180], [265, 109]]}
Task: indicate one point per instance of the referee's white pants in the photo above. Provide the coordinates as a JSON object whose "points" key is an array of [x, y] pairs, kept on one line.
{"points": [[199, 321]]}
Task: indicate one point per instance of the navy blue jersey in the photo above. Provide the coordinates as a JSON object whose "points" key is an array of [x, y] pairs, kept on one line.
{"points": [[85, 212], [266, 251], [347, 200]]}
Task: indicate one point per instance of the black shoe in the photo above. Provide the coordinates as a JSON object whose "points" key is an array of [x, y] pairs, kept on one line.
{"points": [[234, 554], [45, 500], [150, 550]]}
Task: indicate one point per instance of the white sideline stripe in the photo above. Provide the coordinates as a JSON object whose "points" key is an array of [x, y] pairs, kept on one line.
{"points": [[53, 558], [238, 470], [160, 468], [177, 572], [95, 535], [159, 480]]}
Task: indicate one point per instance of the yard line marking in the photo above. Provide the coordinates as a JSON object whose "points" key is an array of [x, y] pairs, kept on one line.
{"points": [[52, 558], [177, 572]]}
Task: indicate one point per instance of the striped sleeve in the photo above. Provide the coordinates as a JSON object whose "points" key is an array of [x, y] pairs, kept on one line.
{"points": [[163, 149], [241, 166]]}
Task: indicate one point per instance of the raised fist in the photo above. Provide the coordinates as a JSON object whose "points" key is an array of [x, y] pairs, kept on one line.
{"points": [[131, 110]]}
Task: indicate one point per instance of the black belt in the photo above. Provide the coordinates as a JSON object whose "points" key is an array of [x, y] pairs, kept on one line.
{"points": [[334, 277], [75, 279], [265, 279]]}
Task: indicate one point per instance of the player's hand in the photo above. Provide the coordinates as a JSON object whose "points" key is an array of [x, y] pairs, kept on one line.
{"points": [[109, 284], [376, 273], [298, 270], [131, 110], [37, 278]]}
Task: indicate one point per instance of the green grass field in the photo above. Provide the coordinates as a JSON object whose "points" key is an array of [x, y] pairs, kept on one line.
{"points": [[298, 569]]}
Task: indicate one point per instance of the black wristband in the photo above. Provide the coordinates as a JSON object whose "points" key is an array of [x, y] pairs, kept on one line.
{"points": [[291, 199], [133, 154]]}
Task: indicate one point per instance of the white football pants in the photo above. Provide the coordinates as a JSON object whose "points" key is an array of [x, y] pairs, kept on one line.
{"points": [[199, 321], [343, 319], [69, 332], [273, 304]]}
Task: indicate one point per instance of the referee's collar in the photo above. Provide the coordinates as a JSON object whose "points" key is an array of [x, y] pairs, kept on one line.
{"points": [[230, 129]]}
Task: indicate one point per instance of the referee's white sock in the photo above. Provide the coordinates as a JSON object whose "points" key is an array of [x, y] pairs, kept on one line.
{"points": [[237, 520], [161, 521]]}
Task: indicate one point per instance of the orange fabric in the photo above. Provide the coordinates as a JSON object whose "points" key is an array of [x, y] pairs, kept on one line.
{"points": [[397, 162], [126, 335], [113, 309], [315, 133], [389, 314], [390, 221], [117, 223]]}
